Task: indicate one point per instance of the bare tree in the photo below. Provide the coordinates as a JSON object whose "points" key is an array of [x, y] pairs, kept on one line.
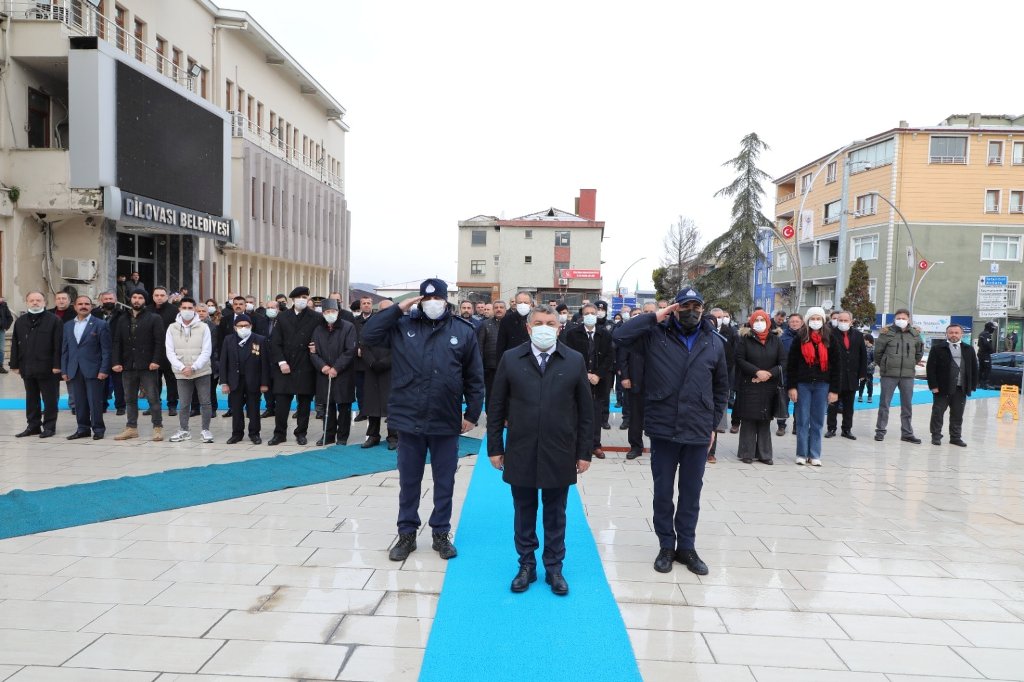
{"points": [[678, 262]]}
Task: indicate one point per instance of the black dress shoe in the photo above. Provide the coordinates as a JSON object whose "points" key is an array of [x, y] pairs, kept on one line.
{"points": [[120, 411], [226, 414], [879, 437], [936, 440], [392, 445], [301, 440], [746, 460], [525, 576], [957, 441], [146, 413], [849, 435], [634, 453], [558, 584], [233, 440], [47, 434], [256, 440], [266, 413], [624, 426], [276, 440], [97, 436], [370, 442], [663, 562], [766, 461], [911, 439], [172, 411], [193, 413], [79, 434], [28, 432], [606, 426], [321, 416], [831, 433], [360, 417], [320, 442], [689, 558]]}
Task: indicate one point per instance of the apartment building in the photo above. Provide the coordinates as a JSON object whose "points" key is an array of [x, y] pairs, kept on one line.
{"points": [[177, 139], [551, 254], [960, 187]]}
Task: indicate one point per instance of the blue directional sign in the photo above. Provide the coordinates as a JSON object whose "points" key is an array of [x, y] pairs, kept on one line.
{"points": [[997, 281]]}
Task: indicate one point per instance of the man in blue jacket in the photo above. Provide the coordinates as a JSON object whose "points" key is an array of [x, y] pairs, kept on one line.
{"points": [[85, 365], [435, 361], [686, 387]]}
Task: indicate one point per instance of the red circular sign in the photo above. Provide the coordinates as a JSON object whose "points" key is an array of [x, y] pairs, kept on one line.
{"points": [[923, 265], [788, 232]]}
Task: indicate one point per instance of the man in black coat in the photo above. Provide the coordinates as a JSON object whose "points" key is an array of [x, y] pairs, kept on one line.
{"points": [[487, 338], [108, 311], [137, 349], [631, 378], [291, 368], [35, 355], [850, 356], [592, 340], [334, 344], [952, 371], [512, 328], [167, 312], [986, 346], [542, 392], [244, 376], [377, 389], [365, 311]]}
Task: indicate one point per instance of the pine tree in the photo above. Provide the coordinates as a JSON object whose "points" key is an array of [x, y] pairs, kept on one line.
{"points": [[856, 298], [735, 253]]}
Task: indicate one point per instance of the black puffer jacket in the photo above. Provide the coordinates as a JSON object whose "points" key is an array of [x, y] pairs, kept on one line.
{"points": [[135, 352]]}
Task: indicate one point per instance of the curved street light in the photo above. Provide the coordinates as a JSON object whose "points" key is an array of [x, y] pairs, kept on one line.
{"points": [[623, 275], [910, 233]]}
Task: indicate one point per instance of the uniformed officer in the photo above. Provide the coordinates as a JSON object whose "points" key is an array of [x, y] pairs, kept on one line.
{"points": [[435, 361], [686, 385]]}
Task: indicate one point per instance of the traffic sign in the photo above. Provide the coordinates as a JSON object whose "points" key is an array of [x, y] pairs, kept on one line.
{"points": [[996, 280], [992, 313]]}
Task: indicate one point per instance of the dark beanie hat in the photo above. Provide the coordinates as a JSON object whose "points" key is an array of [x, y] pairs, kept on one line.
{"points": [[434, 287]]}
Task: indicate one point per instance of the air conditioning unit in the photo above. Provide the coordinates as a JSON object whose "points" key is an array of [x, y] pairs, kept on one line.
{"points": [[79, 270], [563, 282]]}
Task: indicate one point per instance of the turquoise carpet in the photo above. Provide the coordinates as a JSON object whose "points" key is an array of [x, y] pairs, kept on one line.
{"points": [[24, 513], [482, 631]]}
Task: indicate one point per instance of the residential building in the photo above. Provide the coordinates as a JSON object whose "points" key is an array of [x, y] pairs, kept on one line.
{"points": [[177, 139], [960, 186], [552, 254]]}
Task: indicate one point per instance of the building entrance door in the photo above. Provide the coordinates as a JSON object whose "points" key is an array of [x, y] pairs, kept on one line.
{"points": [[137, 253]]}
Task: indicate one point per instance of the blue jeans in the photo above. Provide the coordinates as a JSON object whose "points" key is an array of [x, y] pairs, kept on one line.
{"points": [[811, 403]]}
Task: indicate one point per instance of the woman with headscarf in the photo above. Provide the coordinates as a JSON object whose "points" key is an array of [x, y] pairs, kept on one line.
{"points": [[808, 375], [759, 361]]}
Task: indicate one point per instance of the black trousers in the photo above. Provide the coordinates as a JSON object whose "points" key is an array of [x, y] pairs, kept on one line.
{"points": [[250, 400], [171, 381], [282, 408], [955, 401], [412, 459], [601, 392], [606, 385], [984, 371], [360, 382], [373, 429], [524, 501], [116, 389], [868, 384], [45, 388], [339, 422], [488, 382], [89, 403], [675, 521], [845, 403], [636, 419]]}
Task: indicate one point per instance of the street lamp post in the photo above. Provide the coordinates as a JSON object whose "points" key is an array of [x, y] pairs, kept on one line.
{"points": [[913, 265], [623, 275]]}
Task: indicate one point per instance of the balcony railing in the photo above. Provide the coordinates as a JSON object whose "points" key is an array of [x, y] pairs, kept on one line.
{"points": [[960, 160], [274, 143], [785, 197]]}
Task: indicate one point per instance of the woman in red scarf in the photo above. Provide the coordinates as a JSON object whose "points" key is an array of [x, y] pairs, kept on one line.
{"points": [[760, 356], [808, 373]]}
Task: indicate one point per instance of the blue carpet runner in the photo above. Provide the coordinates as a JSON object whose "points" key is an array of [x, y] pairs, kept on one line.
{"points": [[24, 513], [484, 632]]}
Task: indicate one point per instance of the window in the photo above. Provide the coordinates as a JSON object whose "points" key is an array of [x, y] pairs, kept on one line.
{"points": [[759, 277], [120, 19], [832, 212], [479, 238], [805, 184], [140, 40], [1016, 201], [867, 204], [1000, 247], [781, 260], [250, 109], [101, 23], [830, 173], [204, 77], [228, 92], [265, 198], [476, 267], [259, 115], [864, 247], [866, 158], [274, 208], [175, 63], [947, 150], [38, 119], [992, 197], [528, 260], [995, 153], [1013, 295], [497, 259], [562, 238], [872, 290], [252, 197], [161, 54], [1018, 153], [529, 234]]}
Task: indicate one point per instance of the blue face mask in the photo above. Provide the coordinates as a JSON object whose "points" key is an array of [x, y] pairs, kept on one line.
{"points": [[543, 337]]}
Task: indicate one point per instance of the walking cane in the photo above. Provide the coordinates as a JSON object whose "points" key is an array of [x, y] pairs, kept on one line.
{"points": [[323, 438]]}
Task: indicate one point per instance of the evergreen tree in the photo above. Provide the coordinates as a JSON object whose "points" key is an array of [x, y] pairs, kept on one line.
{"points": [[735, 253], [856, 298]]}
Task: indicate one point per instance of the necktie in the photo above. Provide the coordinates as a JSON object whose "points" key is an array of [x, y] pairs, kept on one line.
{"points": [[846, 341], [543, 362]]}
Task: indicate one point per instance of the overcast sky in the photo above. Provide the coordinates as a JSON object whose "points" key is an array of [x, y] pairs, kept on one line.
{"points": [[470, 107]]}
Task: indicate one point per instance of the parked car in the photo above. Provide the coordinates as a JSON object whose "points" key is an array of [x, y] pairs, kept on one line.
{"points": [[1007, 368]]}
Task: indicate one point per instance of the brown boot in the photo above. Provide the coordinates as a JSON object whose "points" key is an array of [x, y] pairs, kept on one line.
{"points": [[128, 433], [158, 434]]}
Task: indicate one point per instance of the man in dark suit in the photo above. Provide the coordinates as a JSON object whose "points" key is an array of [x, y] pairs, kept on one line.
{"points": [[291, 368], [850, 355], [542, 391], [631, 378], [365, 311], [592, 340], [168, 312], [35, 355], [244, 376], [272, 310], [85, 363], [512, 329], [952, 376]]}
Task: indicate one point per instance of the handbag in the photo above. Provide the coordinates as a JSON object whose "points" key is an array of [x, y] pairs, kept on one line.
{"points": [[781, 403]]}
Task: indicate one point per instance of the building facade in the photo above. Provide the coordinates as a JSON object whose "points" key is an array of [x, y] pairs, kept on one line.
{"points": [[551, 254], [179, 140], [960, 187], [764, 291]]}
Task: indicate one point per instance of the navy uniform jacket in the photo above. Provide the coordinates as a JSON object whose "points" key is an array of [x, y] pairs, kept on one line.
{"points": [[685, 391], [434, 363], [246, 366], [91, 356]]}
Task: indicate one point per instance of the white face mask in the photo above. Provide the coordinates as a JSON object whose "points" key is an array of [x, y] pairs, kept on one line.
{"points": [[725, 320], [815, 324], [590, 320], [562, 319], [243, 332], [834, 323], [543, 337], [433, 308], [300, 303], [211, 309], [331, 317], [523, 309], [601, 314], [271, 313], [625, 316], [759, 326], [844, 326], [902, 324], [249, 307], [318, 309], [188, 315], [36, 311]]}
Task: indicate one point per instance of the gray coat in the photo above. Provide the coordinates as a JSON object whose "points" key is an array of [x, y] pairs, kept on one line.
{"points": [[335, 347]]}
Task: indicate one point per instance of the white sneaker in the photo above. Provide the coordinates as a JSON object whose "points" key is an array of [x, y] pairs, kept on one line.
{"points": [[799, 460], [180, 436], [207, 436], [815, 462]]}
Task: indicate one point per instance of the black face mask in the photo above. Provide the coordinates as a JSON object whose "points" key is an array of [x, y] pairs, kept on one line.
{"points": [[108, 306], [282, 306], [688, 319]]}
